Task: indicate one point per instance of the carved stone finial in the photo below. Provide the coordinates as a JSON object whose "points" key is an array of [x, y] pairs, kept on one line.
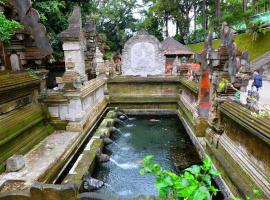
{"points": [[29, 17], [74, 31]]}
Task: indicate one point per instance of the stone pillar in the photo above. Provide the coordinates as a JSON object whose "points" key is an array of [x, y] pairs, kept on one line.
{"points": [[74, 45], [91, 43]]}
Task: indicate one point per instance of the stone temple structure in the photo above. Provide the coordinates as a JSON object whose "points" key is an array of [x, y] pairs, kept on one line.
{"points": [[143, 55]]}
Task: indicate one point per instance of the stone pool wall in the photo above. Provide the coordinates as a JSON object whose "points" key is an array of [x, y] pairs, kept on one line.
{"points": [[241, 151], [239, 147]]}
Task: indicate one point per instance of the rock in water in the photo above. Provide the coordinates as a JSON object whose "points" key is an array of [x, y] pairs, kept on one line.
{"points": [[107, 141], [102, 157], [15, 163], [90, 184]]}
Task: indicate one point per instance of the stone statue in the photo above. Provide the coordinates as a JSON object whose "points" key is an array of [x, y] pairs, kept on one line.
{"points": [[208, 43]]}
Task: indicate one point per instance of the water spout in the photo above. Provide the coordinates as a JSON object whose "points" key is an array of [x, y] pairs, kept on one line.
{"points": [[123, 116], [125, 165], [120, 121], [114, 129]]}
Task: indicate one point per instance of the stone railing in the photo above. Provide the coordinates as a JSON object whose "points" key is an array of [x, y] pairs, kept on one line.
{"points": [[79, 106]]}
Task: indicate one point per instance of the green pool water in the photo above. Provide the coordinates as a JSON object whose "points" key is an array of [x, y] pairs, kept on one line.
{"points": [[164, 137]]}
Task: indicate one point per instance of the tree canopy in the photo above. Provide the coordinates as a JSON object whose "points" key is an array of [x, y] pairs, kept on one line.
{"points": [[116, 21]]}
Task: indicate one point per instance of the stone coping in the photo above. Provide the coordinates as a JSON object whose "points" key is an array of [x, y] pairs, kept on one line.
{"points": [[139, 79], [260, 127], [41, 158], [10, 81], [190, 84]]}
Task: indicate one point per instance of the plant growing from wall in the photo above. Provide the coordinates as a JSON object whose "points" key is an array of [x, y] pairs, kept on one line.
{"points": [[194, 183], [7, 27], [256, 29]]}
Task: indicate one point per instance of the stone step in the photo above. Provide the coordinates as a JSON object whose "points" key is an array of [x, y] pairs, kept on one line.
{"points": [[261, 61]]}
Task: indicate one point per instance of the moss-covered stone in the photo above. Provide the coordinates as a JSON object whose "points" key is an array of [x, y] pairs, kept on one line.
{"points": [[102, 131], [112, 114], [107, 123], [187, 115]]}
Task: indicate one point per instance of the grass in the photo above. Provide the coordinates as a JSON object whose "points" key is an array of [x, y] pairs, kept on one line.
{"points": [[244, 43]]}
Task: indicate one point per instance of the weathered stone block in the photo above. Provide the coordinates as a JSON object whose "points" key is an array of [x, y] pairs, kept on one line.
{"points": [[15, 163], [36, 191]]}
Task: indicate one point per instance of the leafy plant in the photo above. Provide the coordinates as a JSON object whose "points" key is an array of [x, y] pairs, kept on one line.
{"points": [[255, 29], [194, 183], [7, 27]]}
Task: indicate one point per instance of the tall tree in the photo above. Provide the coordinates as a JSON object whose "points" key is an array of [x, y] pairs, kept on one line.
{"points": [[218, 11]]}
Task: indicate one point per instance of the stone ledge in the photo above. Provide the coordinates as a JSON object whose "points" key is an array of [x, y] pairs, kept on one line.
{"points": [[42, 158], [258, 126], [193, 86], [240, 170], [122, 98], [148, 79]]}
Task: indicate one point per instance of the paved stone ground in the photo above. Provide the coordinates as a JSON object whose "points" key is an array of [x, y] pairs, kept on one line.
{"points": [[264, 93], [37, 161]]}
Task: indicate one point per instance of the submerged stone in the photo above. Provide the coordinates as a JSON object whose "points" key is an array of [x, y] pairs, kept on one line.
{"points": [[90, 184], [102, 157], [15, 163], [106, 140]]}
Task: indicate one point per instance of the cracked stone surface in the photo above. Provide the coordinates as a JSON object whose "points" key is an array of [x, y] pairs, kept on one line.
{"points": [[41, 158]]}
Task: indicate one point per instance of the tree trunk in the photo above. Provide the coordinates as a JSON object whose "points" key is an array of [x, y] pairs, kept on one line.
{"points": [[244, 3], [195, 16], [177, 27], [218, 11], [254, 5], [166, 25], [204, 17]]}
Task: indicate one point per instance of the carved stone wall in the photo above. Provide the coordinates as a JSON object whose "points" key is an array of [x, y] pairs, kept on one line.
{"points": [[142, 55]]}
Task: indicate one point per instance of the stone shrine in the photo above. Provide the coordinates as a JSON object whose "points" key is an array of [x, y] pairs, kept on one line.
{"points": [[143, 55]]}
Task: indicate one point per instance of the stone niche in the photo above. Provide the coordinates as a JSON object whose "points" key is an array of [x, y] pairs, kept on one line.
{"points": [[143, 55]]}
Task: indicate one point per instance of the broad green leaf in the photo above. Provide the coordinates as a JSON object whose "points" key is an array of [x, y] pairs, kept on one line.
{"points": [[142, 171], [207, 179], [202, 194], [148, 160], [187, 191], [207, 163], [256, 192], [213, 189], [194, 169], [214, 172]]}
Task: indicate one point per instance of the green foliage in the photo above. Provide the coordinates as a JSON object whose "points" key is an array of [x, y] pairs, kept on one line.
{"points": [[54, 15], [115, 19], [244, 43], [196, 36], [194, 183], [256, 29], [7, 27]]}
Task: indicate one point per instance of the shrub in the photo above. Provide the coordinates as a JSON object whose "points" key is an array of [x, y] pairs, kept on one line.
{"points": [[7, 27], [194, 183]]}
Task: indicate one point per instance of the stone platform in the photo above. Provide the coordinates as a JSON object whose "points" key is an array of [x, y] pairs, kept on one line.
{"points": [[39, 161]]}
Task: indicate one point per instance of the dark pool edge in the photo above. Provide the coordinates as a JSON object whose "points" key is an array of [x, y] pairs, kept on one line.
{"points": [[75, 155], [199, 146]]}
